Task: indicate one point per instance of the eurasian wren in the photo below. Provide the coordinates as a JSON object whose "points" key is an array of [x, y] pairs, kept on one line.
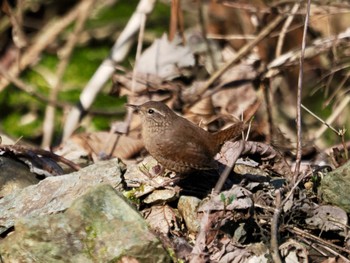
{"points": [[178, 144]]}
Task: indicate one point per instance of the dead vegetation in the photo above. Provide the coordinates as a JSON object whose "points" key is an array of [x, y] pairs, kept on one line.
{"points": [[280, 64]]}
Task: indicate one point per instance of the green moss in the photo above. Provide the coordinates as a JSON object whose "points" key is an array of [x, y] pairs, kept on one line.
{"points": [[83, 64], [19, 127], [89, 241], [131, 195], [158, 21], [116, 14]]}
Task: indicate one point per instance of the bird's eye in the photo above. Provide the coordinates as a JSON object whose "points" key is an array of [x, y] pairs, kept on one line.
{"points": [[150, 111]]}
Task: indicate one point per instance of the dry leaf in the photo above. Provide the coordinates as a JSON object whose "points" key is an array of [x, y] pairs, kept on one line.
{"points": [[165, 59], [99, 144]]}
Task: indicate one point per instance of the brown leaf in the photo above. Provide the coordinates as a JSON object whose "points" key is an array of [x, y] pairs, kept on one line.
{"points": [[95, 144], [162, 219]]}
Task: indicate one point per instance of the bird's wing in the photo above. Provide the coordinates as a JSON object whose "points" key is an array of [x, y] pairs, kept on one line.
{"points": [[190, 150]]}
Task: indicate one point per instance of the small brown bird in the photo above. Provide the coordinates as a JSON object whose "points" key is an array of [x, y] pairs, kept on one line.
{"points": [[178, 144]]}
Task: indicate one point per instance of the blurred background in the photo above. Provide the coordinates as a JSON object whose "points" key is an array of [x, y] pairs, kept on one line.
{"points": [[49, 50]]}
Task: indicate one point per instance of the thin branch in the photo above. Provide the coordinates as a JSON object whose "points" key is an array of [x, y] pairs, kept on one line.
{"points": [[138, 50], [330, 74], [44, 38], [36, 95], [173, 19], [319, 119], [318, 46], [335, 113], [305, 234], [274, 229], [49, 120], [338, 88], [242, 52], [27, 88], [231, 37], [300, 85], [129, 114], [118, 53], [284, 29], [204, 35], [20, 149], [276, 217], [229, 167]]}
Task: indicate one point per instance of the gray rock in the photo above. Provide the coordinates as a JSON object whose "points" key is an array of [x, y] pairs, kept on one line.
{"points": [[188, 209], [335, 185], [100, 226], [161, 196], [55, 194], [14, 175]]}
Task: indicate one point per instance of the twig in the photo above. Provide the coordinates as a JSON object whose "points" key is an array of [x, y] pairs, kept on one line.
{"points": [[313, 245], [49, 119], [340, 146], [275, 220], [43, 39], [174, 19], [231, 37], [330, 119], [107, 67], [138, 50], [248, 7], [317, 47], [274, 229], [334, 115], [339, 87], [267, 97], [300, 86], [124, 130], [16, 19], [333, 8], [36, 95], [298, 231], [19, 149], [204, 34], [329, 74], [241, 53], [229, 167], [336, 253], [27, 88], [342, 134], [129, 114], [319, 119], [284, 29]]}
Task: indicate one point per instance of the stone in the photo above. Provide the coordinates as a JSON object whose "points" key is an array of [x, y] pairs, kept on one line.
{"points": [[335, 185], [188, 209], [14, 175], [100, 226], [55, 194]]}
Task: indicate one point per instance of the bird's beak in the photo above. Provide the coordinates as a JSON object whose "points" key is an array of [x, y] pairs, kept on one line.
{"points": [[136, 108]]}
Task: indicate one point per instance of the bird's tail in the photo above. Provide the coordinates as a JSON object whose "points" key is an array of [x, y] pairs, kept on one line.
{"points": [[233, 132]]}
